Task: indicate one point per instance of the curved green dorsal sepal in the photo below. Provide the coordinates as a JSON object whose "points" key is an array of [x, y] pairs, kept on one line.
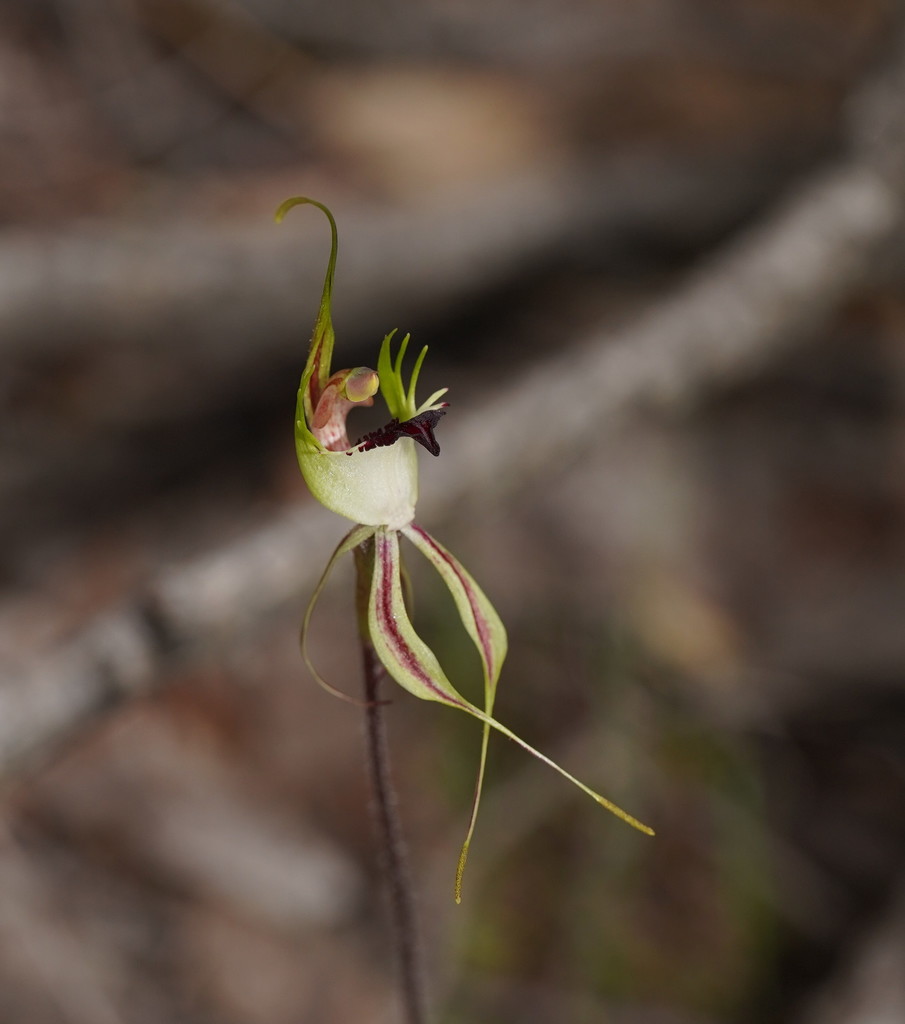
{"points": [[357, 535], [414, 665], [320, 352]]}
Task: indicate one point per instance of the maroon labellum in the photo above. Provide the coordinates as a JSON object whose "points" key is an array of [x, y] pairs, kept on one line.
{"points": [[420, 428]]}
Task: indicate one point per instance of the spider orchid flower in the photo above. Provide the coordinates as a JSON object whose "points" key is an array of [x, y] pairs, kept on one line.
{"points": [[374, 483]]}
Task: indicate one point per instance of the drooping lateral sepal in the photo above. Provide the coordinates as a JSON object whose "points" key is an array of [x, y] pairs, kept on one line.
{"points": [[413, 665], [352, 540], [402, 652], [488, 634], [478, 615]]}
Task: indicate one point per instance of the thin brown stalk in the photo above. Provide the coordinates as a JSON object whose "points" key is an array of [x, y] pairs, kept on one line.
{"points": [[386, 817]]}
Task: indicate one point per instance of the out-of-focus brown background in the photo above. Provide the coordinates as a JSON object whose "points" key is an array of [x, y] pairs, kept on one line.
{"points": [[656, 249]]}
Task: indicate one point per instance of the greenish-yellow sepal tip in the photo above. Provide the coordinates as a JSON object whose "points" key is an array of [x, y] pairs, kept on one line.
{"points": [[624, 815], [460, 872], [288, 204]]}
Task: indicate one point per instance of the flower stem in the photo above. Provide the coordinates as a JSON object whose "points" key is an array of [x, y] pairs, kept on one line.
{"points": [[388, 829]]}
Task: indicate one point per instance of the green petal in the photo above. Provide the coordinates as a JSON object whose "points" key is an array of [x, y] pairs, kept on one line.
{"points": [[432, 403], [390, 375], [413, 380], [400, 356], [400, 399], [352, 539], [414, 665], [487, 632]]}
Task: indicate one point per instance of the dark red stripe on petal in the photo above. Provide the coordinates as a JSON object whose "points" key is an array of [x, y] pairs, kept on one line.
{"points": [[477, 615], [388, 569]]}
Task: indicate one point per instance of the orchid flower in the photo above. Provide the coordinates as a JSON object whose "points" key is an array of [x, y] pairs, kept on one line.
{"points": [[374, 483]]}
